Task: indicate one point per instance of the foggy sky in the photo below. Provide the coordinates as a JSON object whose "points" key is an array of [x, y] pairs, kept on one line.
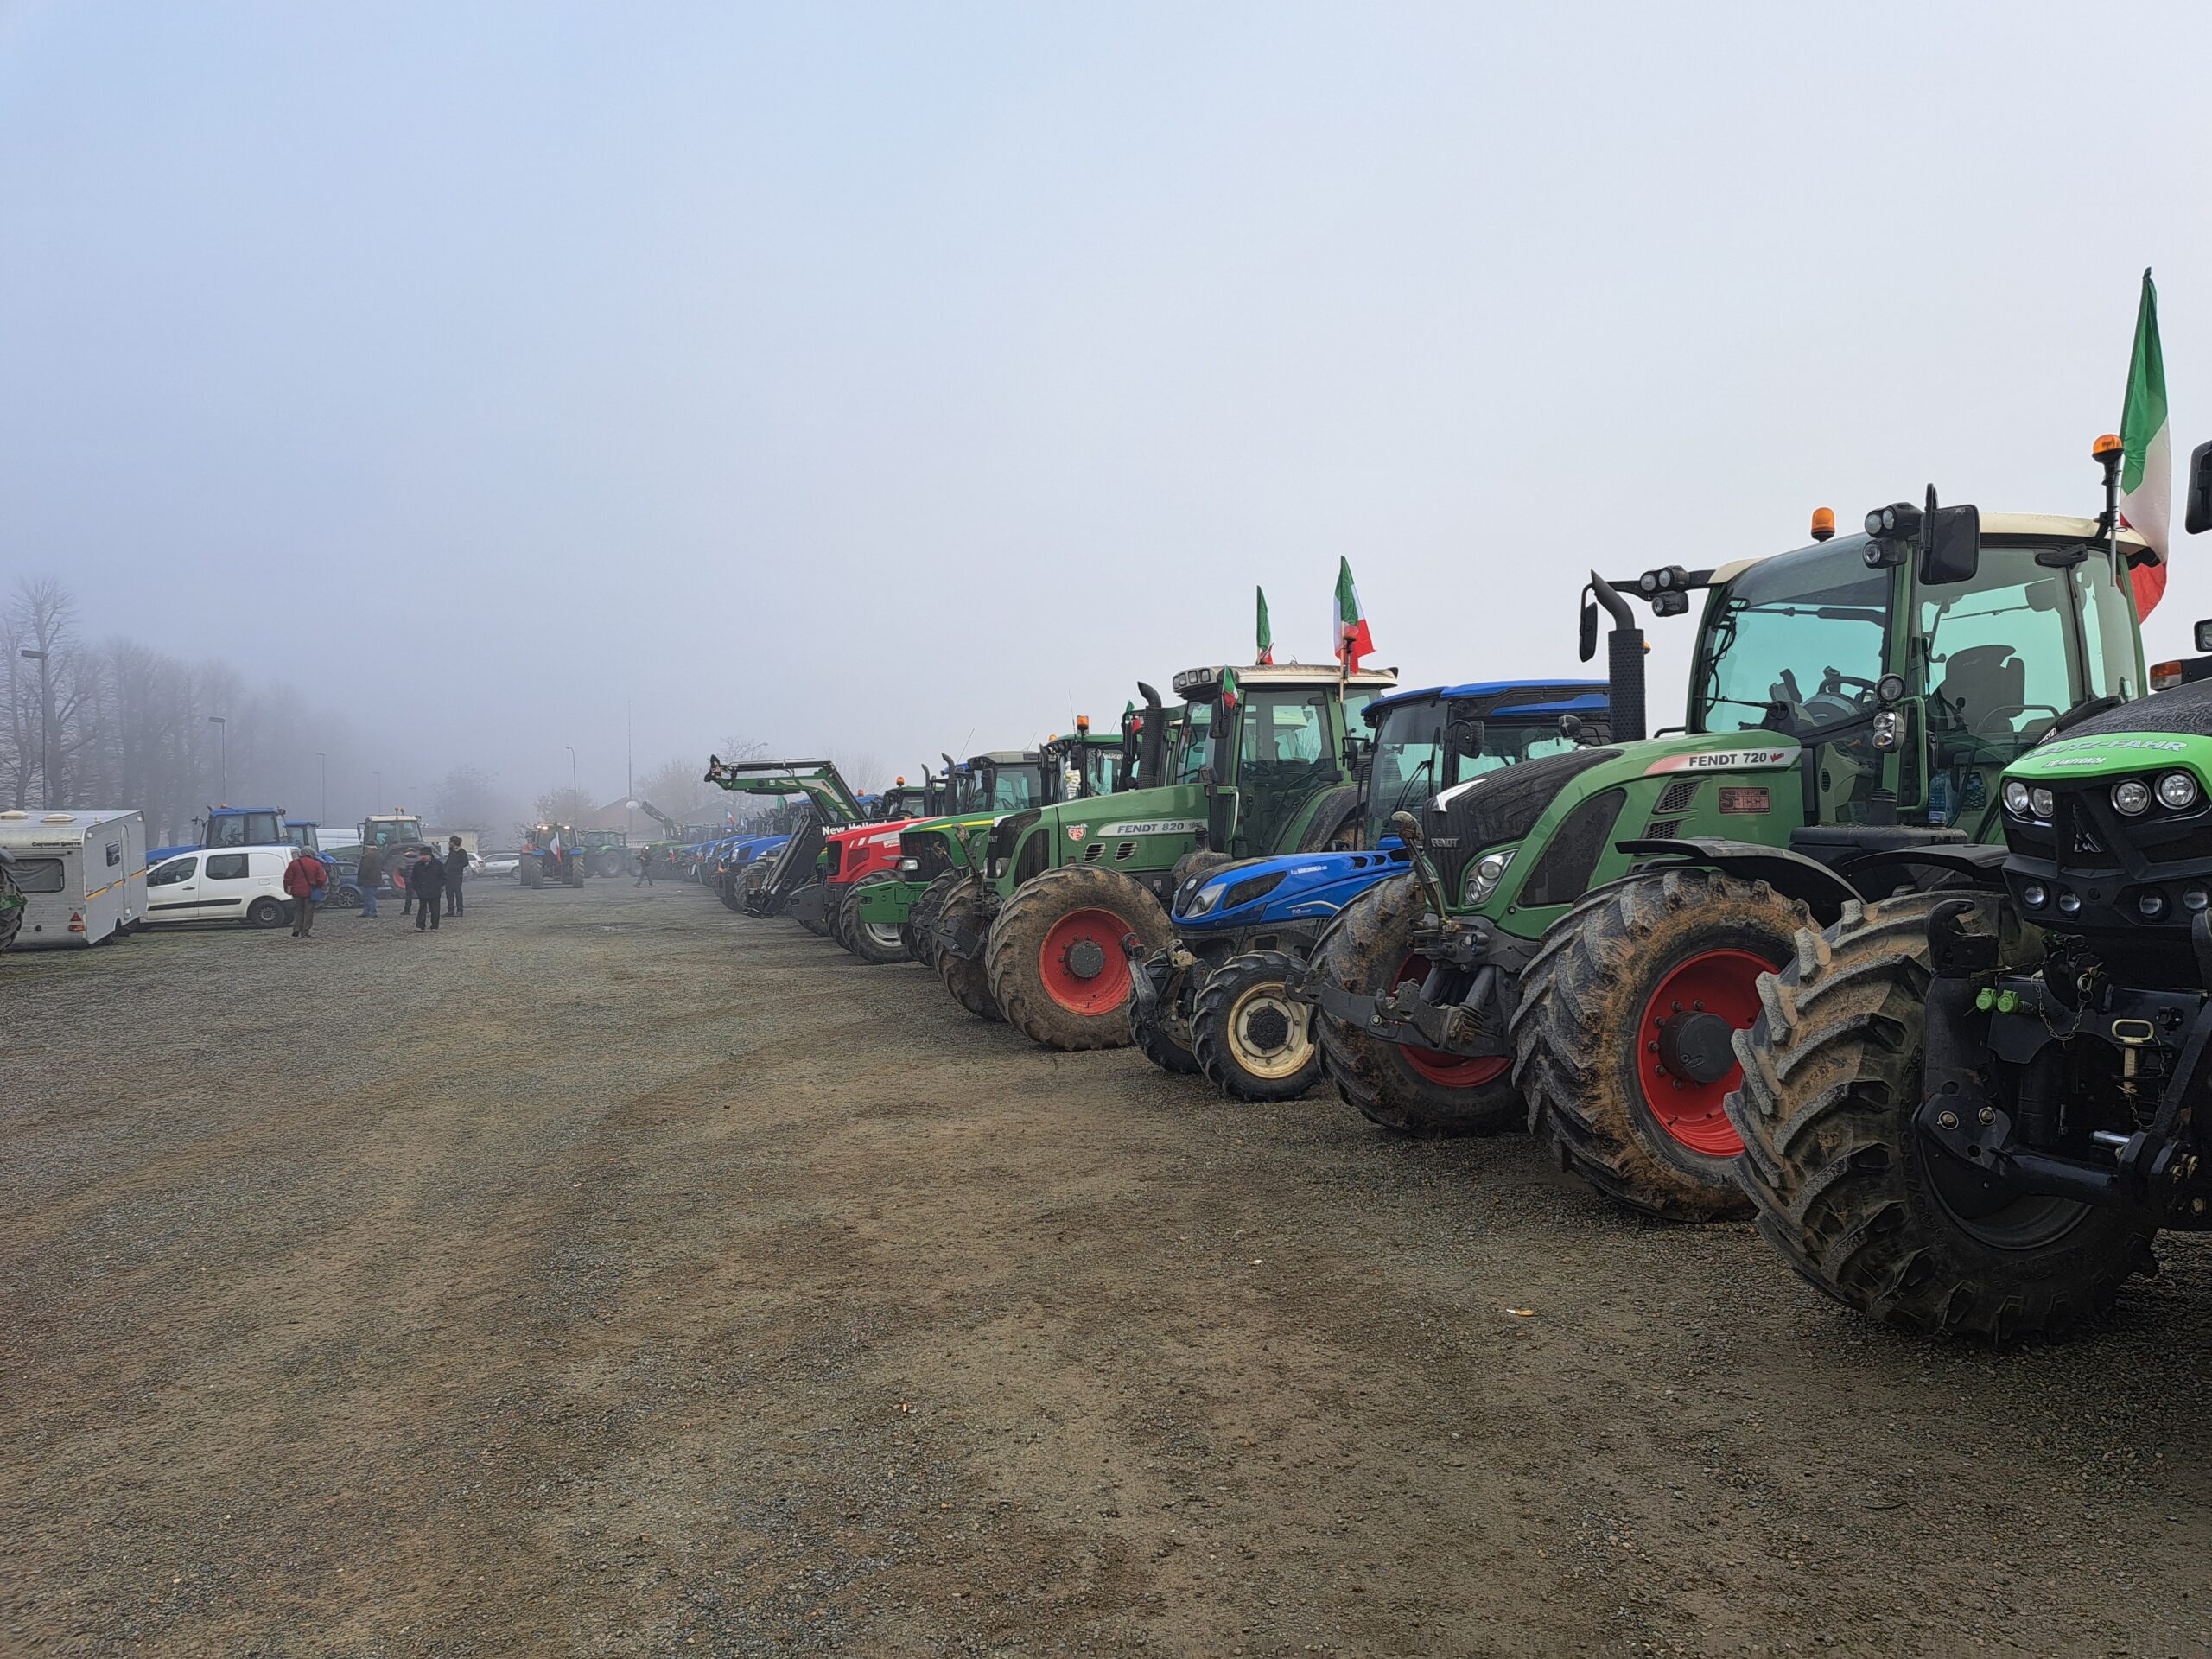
{"points": [[891, 379]]}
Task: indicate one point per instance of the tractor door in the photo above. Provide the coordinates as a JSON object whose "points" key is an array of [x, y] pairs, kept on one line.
{"points": [[1287, 752]]}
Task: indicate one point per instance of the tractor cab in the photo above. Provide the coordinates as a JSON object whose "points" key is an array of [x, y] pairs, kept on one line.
{"points": [[1087, 764], [247, 826], [299, 832], [393, 831], [1424, 742]]}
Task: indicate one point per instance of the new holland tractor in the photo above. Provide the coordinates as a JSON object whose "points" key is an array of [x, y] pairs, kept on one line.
{"points": [[552, 856], [1222, 997], [1035, 931], [1970, 1108], [788, 882], [1590, 929]]}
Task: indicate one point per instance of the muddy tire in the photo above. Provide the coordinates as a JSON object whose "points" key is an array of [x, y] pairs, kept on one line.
{"points": [[1844, 1189], [919, 933], [1621, 1039], [1163, 1035], [877, 942], [1251, 1040], [1055, 957], [1368, 949], [1193, 863], [11, 909], [965, 976]]}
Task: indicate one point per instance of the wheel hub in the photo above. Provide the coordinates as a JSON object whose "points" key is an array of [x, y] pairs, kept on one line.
{"points": [[1267, 1029], [1694, 1045], [1084, 959]]}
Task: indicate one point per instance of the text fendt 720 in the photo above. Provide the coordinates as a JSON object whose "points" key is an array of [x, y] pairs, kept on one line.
{"points": [[1593, 926]]}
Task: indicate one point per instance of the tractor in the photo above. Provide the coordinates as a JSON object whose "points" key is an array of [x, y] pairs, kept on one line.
{"points": [[1586, 932], [1223, 997], [1034, 931], [552, 855], [790, 881], [605, 852], [1969, 1108]]}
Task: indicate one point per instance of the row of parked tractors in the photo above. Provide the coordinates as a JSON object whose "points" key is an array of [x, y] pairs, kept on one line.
{"points": [[1900, 942]]}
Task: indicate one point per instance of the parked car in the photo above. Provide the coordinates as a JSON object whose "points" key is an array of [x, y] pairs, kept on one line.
{"points": [[497, 863], [236, 883]]}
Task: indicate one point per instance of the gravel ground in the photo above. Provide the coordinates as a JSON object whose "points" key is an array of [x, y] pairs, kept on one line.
{"points": [[611, 1274]]}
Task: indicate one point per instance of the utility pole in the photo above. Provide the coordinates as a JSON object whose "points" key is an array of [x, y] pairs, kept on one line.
{"points": [[373, 808], [629, 770], [45, 728], [324, 760], [222, 725], [571, 748]]}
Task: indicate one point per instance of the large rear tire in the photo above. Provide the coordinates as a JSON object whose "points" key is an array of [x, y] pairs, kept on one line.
{"points": [[966, 977], [1845, 1188], [1622, 1039], [1057, 966], [872, 942], [1367, 949], [1252, 1041]]}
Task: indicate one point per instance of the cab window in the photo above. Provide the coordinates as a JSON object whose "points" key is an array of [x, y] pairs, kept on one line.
{"points": [[1999, 654], [2108, 632], [176, 870], [1194, 744], [1286, 730], [226, 866], [1794, 642]]}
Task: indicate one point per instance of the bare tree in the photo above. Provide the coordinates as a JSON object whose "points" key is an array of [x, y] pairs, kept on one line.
{"points": [[468, 797]]}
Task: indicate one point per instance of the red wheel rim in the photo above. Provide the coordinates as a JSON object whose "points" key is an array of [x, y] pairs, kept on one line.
{"points": [[1448, 1070], [1722, 983], [1067, 950]]}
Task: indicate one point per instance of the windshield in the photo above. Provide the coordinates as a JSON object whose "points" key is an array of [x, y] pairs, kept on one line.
{"points": [[246, 829], [1792, 642], [1193, 743], [299, 835], [1011, 788], [1101, 769], [1407, 760]]}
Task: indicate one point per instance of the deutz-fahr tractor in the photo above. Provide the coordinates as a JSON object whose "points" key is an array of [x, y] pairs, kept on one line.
{"points": [[1222, 997], [1970, 1108], [552, 856], [1591, 928], [1261, 765], [790, 883], [879, 918], [606, 852]]}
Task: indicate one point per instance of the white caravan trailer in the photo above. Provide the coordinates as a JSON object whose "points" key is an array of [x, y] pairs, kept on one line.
{"points": [[82, 875]]}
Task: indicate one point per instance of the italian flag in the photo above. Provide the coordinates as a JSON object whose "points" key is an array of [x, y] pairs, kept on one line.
{"points": [[1265, 656], [2146, 467], [1353, 640]]}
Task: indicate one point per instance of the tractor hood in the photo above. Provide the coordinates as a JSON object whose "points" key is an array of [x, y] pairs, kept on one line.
{"points": [[1291, 887]]}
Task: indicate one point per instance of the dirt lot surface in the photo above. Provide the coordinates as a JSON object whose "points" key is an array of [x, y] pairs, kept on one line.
{"points": [[611, 1274]]}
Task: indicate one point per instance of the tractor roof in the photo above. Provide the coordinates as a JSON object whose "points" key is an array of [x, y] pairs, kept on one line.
{"points": [[1529, 693], [2010, 526], [1261, 677]]}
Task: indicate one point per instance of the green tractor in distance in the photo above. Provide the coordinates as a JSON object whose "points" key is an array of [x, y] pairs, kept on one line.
{"points": [[791, 884], [606, 852], [1264, 762], [1586, 932], [1970, 1109]]}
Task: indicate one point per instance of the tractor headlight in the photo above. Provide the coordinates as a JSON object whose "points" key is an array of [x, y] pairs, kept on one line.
{"points": [[910, 867], [1888, 730], [1483, 875], [2177, 791], [2131, 797], [2042, 802], [1206, 900], [2016, 799], [2035, 895]]}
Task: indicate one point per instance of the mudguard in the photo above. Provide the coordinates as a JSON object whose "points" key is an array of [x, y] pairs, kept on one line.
{"points": [[1825, 892]]}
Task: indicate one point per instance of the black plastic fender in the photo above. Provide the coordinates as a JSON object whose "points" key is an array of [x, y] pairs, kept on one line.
{"points": [[1793, 874]]}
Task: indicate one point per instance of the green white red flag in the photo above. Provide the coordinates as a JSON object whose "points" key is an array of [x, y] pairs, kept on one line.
{"points": [[1353, 640], [1264, 655], [2146, 467]]}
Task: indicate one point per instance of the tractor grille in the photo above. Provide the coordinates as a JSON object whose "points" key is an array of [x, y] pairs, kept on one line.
{"points": [[1563, 873], [931, 856], [1662, 829], [1676, 799], [1500, 807]]}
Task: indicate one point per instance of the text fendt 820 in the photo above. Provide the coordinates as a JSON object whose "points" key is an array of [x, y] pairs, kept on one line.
{"points": [[789, 878], [1971, 1108], [932, 855], [1261, 764], [1594, 925], [1221, 998]]}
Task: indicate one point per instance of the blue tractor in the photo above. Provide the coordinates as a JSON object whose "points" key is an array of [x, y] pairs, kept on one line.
{"points": [[1222, 997], [230, 826]]}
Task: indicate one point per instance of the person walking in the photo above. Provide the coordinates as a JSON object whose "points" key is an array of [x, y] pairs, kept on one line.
{"points": [[369, 877], [645, 868], [303, 878], [457, 862], [425, 879]]}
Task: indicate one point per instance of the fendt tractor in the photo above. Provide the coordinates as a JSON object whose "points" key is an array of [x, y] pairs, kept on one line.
{"points": [[891, 913], [1592, 926], [1222, 997], [1970, 1109], [1261, 765], [789, 882], [552, 856]]}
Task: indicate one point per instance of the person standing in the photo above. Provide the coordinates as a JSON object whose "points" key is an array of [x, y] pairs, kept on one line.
{"points": [[425, 878], [369, 877], [303, 877], [457, 862], [645, 868]]}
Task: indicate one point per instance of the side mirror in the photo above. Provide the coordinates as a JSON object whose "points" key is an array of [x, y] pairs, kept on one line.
{"points": [[1355, 751], [1589, 640], [1466, 737], [1950, 545], [2204, 637], [2196, 516]]}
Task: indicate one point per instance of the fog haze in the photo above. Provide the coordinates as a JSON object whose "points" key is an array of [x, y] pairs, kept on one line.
{"points": [[884, 380]]}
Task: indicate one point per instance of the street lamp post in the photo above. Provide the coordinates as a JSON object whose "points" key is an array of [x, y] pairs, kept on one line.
{"points": [[373, 807], [45, 725], [323, 760], [571, 748], [222, 725]]}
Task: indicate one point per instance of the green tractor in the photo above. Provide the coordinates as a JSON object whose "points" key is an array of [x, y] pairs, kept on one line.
{"points": [[606, 852], [1582, 936], [1969, 1109], [1264, 762], [790, 881]]}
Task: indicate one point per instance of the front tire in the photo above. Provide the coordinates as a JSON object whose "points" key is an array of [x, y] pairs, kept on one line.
{"points": [[1251, 1040], [1160, 1027], [878, 943], [1844, 1188], [1367, 949], [1055, 958], [966, 977], [268, 913], [920, 931], [1618, 1041]]}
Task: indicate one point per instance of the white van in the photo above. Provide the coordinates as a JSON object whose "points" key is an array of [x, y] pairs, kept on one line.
{"points": [[82, 875], [221, 884]]}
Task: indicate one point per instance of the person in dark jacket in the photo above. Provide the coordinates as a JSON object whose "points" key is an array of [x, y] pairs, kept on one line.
{"points": [[645, 868], [457, 862], [426, 879], [369, 877]]}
